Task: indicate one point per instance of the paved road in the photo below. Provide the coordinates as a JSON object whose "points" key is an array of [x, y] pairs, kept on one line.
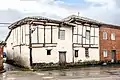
{"points": [[93, 73]]}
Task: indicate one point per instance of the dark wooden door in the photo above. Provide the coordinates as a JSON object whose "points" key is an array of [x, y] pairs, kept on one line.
{"points": [[62, 57]]}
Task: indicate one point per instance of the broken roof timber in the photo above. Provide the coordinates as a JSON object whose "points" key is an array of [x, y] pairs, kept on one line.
{"points": [[80, 19], [27, 20], [40, 21]]}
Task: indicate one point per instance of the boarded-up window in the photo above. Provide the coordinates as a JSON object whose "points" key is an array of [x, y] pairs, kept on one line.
{"points": [[87, 34], [104, 53], [112, 36], [86, 52], [62, 34], [76, 53], [105, 35]]}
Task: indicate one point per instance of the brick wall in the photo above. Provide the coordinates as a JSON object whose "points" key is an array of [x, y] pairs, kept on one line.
{"points": [[109, 44], [1, 58]]}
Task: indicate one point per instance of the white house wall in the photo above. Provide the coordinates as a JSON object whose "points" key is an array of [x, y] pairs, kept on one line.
{"points": [[93, 55], [66, 45], [20, 56], [9, 50], [80, 46], [40, 54], [18, 45], [40, 44], [41, 34]]}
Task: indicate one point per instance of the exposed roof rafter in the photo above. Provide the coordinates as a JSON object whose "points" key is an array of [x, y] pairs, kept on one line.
{"points": [[37, 19]]}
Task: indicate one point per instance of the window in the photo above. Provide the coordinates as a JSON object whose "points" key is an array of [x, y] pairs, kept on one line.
{"points": [[112, 36], [48, 52], [104, 53], [62, 34], [76, 53], [104, 35], [87, 34], [86, 52]]}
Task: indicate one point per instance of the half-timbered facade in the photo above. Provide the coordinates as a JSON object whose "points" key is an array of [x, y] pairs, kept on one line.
{"points": [[85, 38], [35, 40]]}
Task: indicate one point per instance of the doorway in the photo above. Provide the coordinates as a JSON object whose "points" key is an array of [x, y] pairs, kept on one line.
{"points": [[62, 57], [113, 53]]}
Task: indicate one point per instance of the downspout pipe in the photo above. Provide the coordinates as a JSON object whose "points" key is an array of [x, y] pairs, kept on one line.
{"points": [[72, 44], [30, 43]]}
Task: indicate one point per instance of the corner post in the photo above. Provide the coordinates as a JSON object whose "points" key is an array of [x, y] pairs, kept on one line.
{"points": [[30, 43], [73, 42]]}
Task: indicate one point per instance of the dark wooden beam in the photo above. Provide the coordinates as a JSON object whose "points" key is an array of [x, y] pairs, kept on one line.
{"points": [[91, 47], [44, 37], [94, 35], [90, 37], [59, 32], [42, 46], [72, 43], [84, 44], [85, 34], [51, 34], [37, 34], [20, 45], [20, 39], [82, 35], [43, 43], [30, 45], [22, 34], [25, 33], [17, 35], [13, 34], [77, 33]]}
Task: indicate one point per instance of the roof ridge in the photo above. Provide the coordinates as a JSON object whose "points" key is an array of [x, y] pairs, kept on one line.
{"points": [[80, 17]]}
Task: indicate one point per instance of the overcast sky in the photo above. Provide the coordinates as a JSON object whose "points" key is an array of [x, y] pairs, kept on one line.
{"points": [[102, 10]]}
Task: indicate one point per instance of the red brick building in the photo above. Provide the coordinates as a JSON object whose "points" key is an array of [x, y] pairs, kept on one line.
{"points": [[2, 44], [109, 42]]}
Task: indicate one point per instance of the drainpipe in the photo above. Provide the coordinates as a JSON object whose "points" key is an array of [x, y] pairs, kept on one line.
{"points": [[72, 43], [30, 41]]}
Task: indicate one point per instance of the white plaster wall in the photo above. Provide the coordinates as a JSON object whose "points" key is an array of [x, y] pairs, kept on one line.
{"points": [[84, 34], [93, 54], [25, 56], [13, 50], [9, 50], [66, 45], [40, 54], [41, 34], [97, 38]]}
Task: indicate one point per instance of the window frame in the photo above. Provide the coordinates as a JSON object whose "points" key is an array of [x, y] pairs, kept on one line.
{"points": [[48, 53], [104, 35], [105, 53], [87, 36], [61, 36], [87, 52], [76, 53], [113, 36]]}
